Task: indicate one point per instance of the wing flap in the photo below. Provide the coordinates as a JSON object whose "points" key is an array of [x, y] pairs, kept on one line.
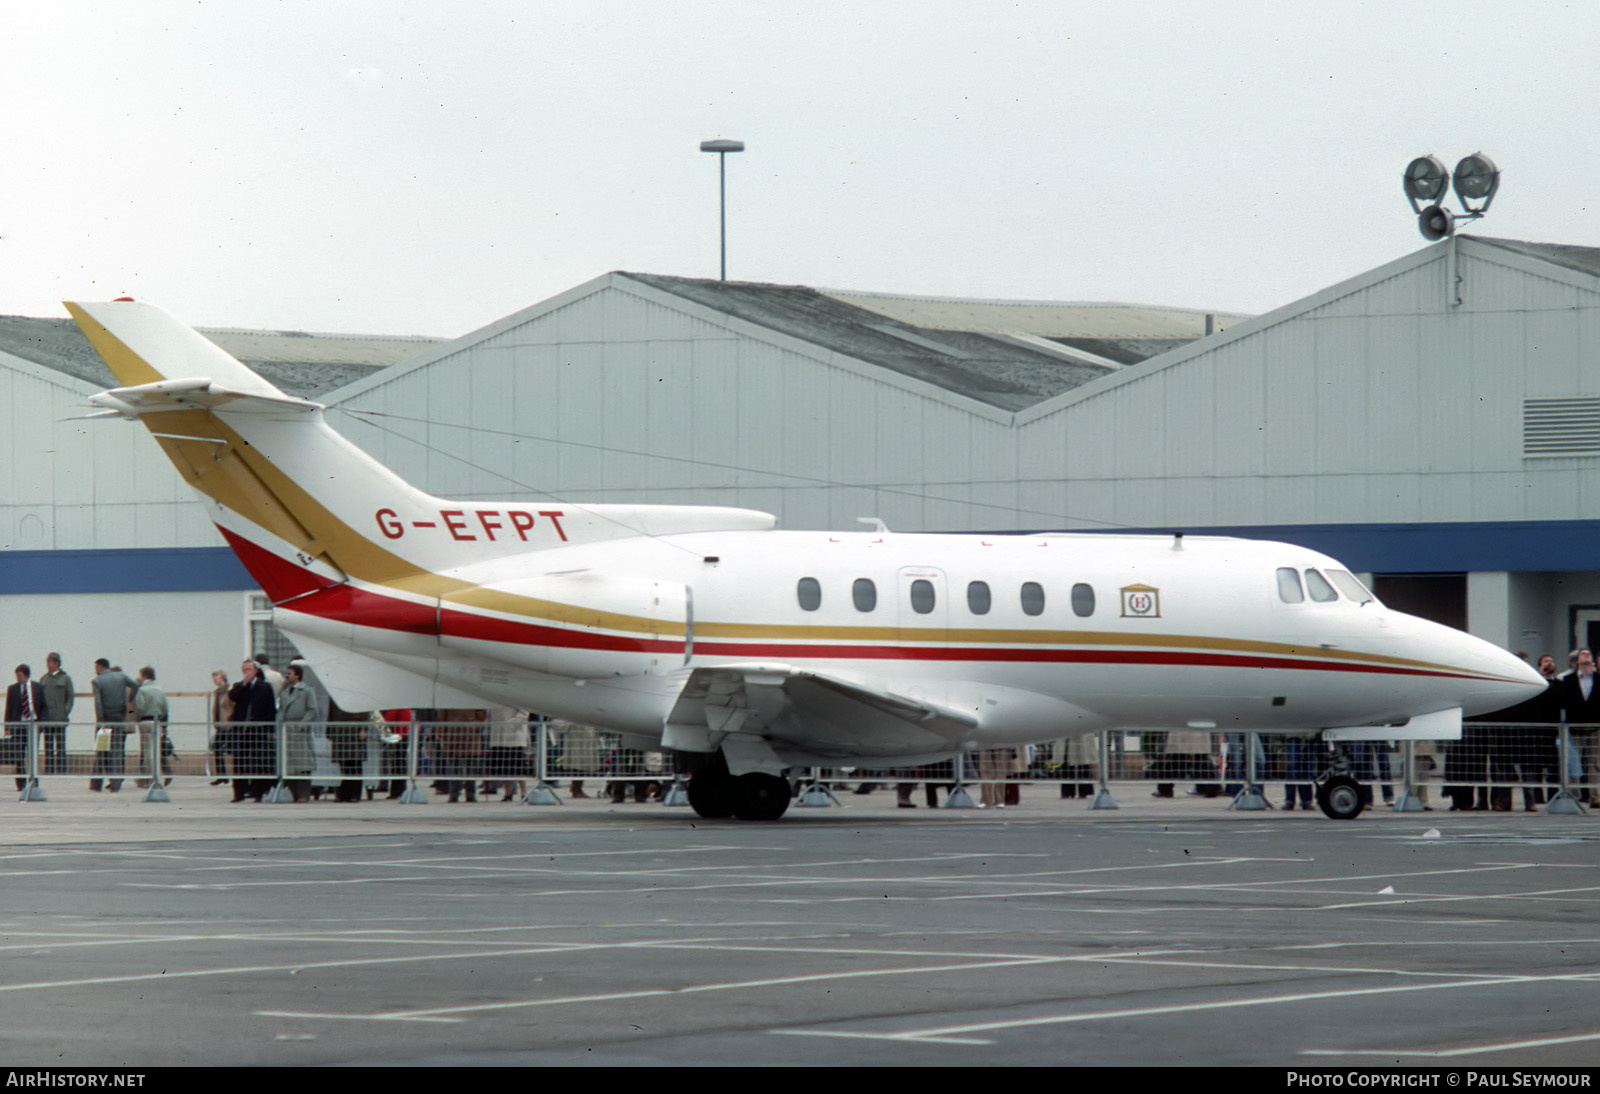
{"points": [[808, 711]]}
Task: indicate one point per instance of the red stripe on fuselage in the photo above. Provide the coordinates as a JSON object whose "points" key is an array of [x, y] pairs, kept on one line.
{"points": [[459, 624], [279, 578]]}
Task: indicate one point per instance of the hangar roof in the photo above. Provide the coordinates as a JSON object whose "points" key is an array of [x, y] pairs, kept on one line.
{"points": [[1585, 259], [302, 364], [1009, 354]]}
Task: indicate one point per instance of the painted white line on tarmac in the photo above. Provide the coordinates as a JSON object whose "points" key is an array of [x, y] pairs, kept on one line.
{"points": [[1420, 898], [946, 1033], [693, 989], [1472, 1050], [469, 955]]}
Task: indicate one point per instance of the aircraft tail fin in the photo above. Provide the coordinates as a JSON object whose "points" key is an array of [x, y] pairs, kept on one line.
{"points": [[303, 507], [287, 491]]}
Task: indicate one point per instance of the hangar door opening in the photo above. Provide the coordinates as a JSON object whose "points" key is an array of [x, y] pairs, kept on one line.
{"points": [[1439, 597]]}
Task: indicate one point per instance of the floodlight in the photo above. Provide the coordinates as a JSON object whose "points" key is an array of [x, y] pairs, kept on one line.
{"points": [[722, 147], [1476, 177], [1425, 179]]}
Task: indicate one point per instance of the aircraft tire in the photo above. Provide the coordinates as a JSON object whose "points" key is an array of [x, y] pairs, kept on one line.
{"points": [[1340, 798], [760, 797], [711, 794]]}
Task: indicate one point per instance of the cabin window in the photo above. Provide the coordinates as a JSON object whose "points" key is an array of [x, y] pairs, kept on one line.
{"points": [[865, 594], [809, 593], [1289, 586], [1083, 599], [922, 596], [1032, 598], [978, 599], [1318, 587], [1352, 588]]}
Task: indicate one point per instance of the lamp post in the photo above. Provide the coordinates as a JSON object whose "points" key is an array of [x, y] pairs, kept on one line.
{"points": [[722, 148]]}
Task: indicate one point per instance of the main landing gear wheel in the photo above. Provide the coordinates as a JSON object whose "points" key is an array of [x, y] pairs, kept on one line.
{"points": [[760, 797], [1340, 797], [711, 792]]}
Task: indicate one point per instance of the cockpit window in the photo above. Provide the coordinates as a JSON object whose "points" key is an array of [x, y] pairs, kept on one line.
{"points": [[1352, 589], [1289, 586], [1318, 587]]}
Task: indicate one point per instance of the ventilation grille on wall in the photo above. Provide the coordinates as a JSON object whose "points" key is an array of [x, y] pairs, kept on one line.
{"points": [[1568, 426]]}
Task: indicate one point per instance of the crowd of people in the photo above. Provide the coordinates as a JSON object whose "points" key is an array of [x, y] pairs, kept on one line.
{"points": [[1522, 744], [40, 710], [269, 725]]}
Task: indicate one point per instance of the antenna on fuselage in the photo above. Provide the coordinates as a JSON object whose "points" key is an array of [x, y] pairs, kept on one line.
{"points": [[877, 524], [1177, 541]]}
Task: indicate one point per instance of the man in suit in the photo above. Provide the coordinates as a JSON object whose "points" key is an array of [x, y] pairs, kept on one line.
{"points": [[1580, 700], [24, 708], [255, 714]]}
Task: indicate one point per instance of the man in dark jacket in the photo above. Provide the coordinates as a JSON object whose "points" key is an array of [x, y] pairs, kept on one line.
{"points": [[1580, 701], [112, 690], [1523, 748], [255, 713], [24, 709]]}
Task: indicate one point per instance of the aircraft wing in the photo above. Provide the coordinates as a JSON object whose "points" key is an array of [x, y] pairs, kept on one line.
{"points": [[736, 707]]}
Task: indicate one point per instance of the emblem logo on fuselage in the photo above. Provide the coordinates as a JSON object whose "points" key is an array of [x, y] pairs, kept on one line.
{"points": [[1141, 602]]}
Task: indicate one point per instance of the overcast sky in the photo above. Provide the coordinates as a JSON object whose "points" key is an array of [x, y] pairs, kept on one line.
{"points": [[409, 166]]}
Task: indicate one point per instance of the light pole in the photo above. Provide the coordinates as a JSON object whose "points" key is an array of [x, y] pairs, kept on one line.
{"points": [[722, 148]]}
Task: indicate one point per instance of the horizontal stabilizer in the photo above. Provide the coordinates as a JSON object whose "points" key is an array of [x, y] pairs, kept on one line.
{"points": [[164, 395]]}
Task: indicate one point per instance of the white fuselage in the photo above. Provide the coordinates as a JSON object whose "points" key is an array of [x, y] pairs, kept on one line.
{"points": [[1034, 636]]}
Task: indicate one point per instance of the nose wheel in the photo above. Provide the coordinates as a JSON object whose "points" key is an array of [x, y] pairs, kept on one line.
{"points": [[1339, 797]]}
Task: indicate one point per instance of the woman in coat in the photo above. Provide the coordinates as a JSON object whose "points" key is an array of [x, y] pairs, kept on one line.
{"points": [[297, 712], [221, 727]]}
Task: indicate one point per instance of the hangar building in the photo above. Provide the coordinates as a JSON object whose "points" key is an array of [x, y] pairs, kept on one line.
{"points": [[1434, 423]]}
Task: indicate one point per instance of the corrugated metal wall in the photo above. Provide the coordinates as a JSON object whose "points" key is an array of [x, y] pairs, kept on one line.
{"points": [[1379, 404], [627, 394], [74, 485], [1374, 402]]}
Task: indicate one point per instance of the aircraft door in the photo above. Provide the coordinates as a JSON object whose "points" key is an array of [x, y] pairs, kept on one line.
{"points": [[922, 606], [922, 612]]}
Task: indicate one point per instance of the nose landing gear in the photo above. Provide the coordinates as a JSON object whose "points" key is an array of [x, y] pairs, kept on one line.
{"points": [[1339, 795]]}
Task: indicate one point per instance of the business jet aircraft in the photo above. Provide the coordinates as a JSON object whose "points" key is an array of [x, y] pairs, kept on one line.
{"points": [[750, 650]]}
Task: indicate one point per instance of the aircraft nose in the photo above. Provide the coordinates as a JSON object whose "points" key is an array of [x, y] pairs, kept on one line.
{"points": [[1504, 681]]}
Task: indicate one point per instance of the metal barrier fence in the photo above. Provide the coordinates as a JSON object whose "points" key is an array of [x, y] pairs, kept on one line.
{"points": [[1485, 769]]}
